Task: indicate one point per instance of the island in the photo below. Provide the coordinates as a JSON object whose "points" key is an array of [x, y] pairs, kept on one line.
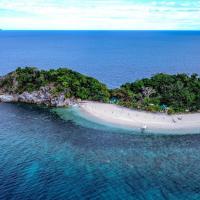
{"points": [[160, 101]]}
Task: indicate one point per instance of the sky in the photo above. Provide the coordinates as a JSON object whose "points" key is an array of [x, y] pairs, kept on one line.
{"points": [[100, 14]]}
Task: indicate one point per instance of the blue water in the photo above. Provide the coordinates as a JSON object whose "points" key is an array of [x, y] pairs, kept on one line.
{"points": [[45, 157], [113, 57], [48, 156]]}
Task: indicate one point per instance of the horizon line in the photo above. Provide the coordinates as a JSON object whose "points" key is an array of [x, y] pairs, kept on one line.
{"points": [[97, 30]]}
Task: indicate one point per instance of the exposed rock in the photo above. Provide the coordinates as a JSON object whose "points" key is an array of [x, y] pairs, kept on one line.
{"points": [[8, 98], [42, 96], [39, 97]]}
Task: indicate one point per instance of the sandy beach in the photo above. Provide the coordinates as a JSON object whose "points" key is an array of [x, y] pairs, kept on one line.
{"points": [[140, 119]]}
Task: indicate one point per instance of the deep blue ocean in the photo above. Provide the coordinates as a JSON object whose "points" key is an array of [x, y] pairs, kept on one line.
{"points": [[113, 57], [46, 156]]}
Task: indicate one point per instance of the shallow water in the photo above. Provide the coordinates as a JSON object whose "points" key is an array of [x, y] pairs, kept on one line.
{"points": [[80, 117], [45, 157]]}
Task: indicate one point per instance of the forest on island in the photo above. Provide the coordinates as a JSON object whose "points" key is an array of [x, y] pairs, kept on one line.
{"points": [[161, 92]]}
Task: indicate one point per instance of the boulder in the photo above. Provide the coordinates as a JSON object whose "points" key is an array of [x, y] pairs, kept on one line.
{"points": [[8, 98]]}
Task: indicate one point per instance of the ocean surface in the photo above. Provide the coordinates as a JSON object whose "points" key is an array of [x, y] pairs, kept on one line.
{"points": [[45, 157], [113, 57], [59, 155]]}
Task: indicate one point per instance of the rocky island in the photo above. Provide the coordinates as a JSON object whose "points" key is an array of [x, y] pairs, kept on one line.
{"points": [[160, 95], [63, 87], [57, 88]]}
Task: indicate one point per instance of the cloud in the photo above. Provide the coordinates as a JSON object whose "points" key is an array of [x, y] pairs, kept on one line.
{"points": [[99, 14]]}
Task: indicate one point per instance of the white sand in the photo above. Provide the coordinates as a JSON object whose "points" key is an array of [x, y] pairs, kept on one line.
{"points": [[137, 119]]}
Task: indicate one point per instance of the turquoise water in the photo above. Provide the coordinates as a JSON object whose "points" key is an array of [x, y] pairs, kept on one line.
{"points": [[45, 157], [81, 118]]}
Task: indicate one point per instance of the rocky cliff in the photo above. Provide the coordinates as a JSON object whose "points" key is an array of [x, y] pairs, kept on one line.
{"points": [[41, 96]]}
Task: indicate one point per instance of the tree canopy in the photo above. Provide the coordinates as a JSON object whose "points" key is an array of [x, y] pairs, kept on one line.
{"points": [[62, 80], [179, 93], [174, 93]]}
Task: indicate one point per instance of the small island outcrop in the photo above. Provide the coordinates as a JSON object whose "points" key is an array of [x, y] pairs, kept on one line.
{"points": [[62, 87], [57, 88]]}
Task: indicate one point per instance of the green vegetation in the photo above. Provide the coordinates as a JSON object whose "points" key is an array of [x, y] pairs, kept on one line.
{"points": [[62, 80], [161, 92]]}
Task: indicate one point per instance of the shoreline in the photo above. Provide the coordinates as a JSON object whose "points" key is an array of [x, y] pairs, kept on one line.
{"points": [[140, 120], [115, 115]]}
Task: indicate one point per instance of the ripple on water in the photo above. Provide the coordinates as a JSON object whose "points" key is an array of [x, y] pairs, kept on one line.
{"points": [[45, 157]]}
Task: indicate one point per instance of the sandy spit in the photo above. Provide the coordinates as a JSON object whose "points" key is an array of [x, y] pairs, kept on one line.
{"points": [[140, 120]]}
